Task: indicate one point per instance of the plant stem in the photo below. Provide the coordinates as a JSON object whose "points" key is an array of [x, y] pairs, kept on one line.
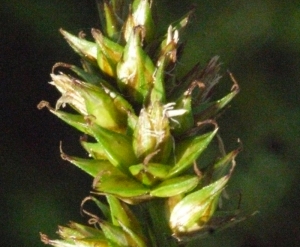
{"points": [[154, 216]]}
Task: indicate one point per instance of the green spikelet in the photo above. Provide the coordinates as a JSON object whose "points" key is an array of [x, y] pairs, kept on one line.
{"points": [[144, 132]]}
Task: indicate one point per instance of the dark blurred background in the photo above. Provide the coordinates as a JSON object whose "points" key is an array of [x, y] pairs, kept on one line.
{"points": [[258, 41]]}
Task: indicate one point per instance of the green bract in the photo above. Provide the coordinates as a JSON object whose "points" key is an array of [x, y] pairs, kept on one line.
{"points": [[145, 128]]}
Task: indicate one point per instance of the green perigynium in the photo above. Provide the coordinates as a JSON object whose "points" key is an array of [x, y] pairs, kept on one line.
{"points": [[144, 128]]}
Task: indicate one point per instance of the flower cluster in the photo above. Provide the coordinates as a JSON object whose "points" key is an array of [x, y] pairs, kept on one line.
{"points": [[144, 126]]}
